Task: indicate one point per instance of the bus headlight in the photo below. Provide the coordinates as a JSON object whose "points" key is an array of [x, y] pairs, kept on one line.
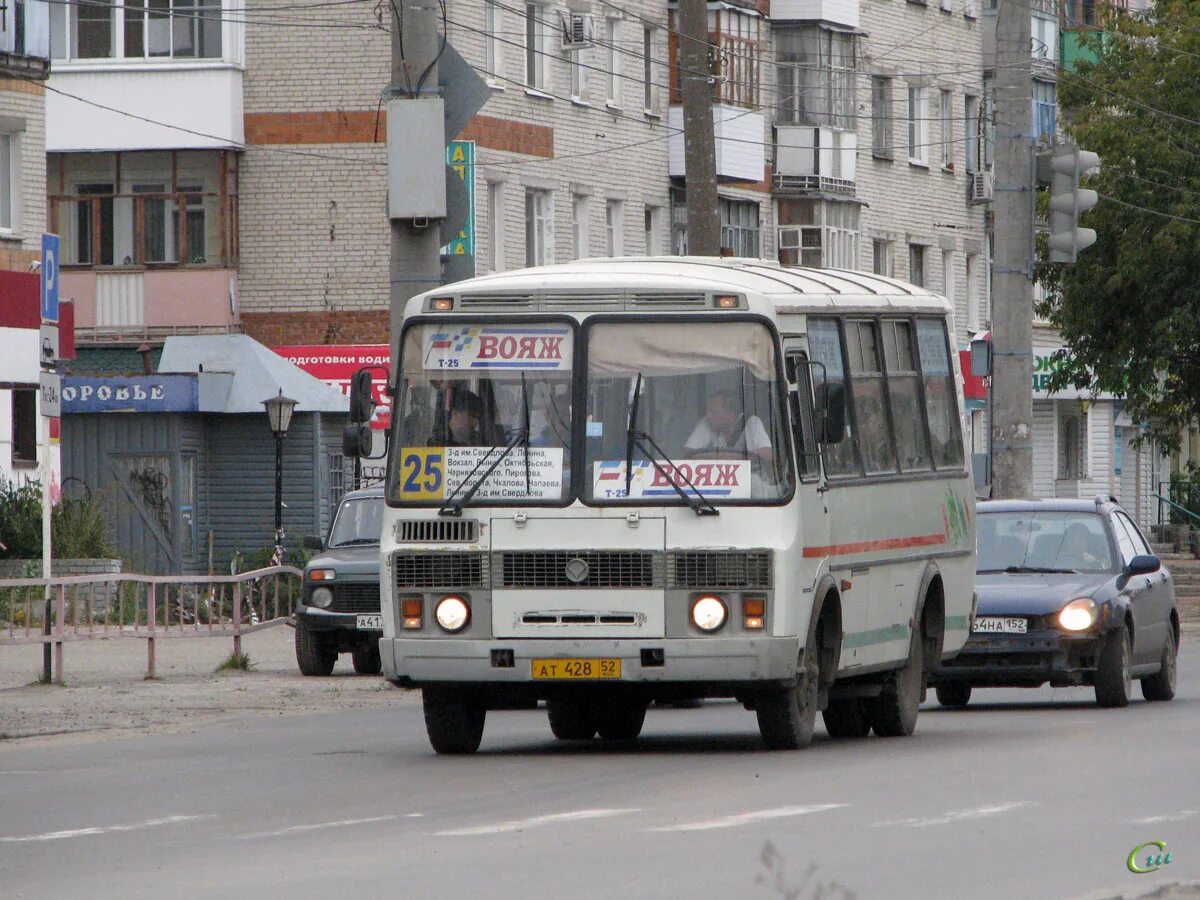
{"points": [[322, 597], [452, 613], [1078, 615], [709, 612]]}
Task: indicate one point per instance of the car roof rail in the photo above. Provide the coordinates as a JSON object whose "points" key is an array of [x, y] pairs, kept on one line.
{"points": [[1102, 499]]}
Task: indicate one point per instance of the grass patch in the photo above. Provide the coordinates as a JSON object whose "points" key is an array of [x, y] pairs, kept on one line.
{"points": [[236, 662]]}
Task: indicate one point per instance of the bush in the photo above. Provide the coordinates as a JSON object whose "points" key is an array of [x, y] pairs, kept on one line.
{"points": [[79, 527]]}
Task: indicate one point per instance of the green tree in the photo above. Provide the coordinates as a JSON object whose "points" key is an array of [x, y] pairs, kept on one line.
{"points": [[1129, 309]]}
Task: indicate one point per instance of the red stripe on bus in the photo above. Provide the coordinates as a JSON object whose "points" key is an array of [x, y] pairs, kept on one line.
{"points": [[919, 540]]}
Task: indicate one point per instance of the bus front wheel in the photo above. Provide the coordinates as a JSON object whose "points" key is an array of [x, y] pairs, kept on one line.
{"points": [[453, 720], [786, 717]]}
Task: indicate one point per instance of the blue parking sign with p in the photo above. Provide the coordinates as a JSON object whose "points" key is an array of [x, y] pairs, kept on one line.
{"points": [[50, 277]]}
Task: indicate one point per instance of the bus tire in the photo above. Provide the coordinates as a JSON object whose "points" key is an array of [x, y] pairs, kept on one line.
{"points": [[621, 721], [954, 694], [846, 719], [453, 721], [571, 721], [786, 717], [313, 655], [366, 659], [894, 712]]}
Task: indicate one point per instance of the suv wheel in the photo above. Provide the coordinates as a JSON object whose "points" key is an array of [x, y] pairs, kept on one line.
{"points": [[366, 659], [313, 654]]}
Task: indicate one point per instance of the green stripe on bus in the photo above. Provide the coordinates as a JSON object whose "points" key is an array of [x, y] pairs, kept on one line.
{"points": [[876, 636], [957, 623]]}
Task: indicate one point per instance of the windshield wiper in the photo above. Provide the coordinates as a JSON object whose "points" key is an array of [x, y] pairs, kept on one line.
{"points": [[1038, 570], [453, 507], [354, 542], [700, 504]]}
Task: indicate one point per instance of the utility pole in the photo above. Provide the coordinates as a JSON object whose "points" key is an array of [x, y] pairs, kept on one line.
{"points": [[1012, 267], [699, 143], [416, 155]]}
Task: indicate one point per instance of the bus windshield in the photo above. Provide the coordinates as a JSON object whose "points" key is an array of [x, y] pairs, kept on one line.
{"points": [[708, 406], [473, 396]]}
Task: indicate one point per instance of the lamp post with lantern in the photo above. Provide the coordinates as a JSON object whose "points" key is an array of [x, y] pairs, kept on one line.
{"points": [[279, 414]]}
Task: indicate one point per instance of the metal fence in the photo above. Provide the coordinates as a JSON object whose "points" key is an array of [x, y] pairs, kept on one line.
{"points": [[90, 607]]}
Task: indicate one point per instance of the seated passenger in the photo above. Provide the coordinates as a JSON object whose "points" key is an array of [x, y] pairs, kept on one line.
{"points": [[461, 423], [1079, 550], [725, 433]]}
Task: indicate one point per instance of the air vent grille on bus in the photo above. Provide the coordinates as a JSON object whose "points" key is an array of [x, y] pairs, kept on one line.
{"points": [[436, 531], [559, 569], [494, 301], [668, 301], [588, 302], [719, 569], [442, 570]]}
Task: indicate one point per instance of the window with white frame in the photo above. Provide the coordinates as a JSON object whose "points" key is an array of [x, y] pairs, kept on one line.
{"points": [[537, 46], [918, 126], [946, 121], [8, 181], [975, 314], [881, 116], [916, 264], [496, 229], [614, 228], [1072, 442], [612, 63], [1045, 38], [948, 276], [652, 225], [493, 26], [538, 228], [649, 70], [815, 72], [989, 119], [679, 241], [740, 232], [137, 29], [883, 257], [578, 62], [1045, 108], [971, 127], [580, 230], [819, 233]]}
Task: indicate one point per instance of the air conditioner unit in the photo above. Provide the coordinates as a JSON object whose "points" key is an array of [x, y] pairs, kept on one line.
{"points": [[789, 238], [578, 30], [981, 190]]}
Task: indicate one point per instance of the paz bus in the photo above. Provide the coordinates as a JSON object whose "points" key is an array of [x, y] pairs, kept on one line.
{"points": [[621, 481]]}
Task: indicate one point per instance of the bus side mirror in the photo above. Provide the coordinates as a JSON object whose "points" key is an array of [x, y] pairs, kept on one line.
{"points": [[357, 441], [362, 397], [981, 358], [831, 406]]}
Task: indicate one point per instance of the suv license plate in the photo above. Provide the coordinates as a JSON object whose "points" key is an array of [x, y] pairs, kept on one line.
{"points": [[575, 669], [1000, 625], [371, 623]]}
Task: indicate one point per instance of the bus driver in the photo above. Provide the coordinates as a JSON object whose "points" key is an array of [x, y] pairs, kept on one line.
{"points": [[725, 433]]}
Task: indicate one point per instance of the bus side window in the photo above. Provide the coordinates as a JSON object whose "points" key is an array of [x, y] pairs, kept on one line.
{"points": [[801, 409]]}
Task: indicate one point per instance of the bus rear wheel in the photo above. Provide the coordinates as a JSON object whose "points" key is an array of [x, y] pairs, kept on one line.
{"points": [[571, 721], [894, 712], [621, 720], [453, 720], [846, 719]]}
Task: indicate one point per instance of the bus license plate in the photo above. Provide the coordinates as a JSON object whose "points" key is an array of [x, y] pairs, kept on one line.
{"points": [[1000, 625], [575, 669], [370, 623]]}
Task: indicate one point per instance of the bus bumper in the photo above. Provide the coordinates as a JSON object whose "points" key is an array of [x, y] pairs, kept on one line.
{"points": [[413, 662]]}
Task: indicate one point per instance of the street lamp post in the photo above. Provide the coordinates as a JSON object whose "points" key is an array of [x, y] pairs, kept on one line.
{"points": [[279, 414]]}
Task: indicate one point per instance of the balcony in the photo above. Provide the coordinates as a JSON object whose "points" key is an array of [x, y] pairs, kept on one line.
{"points": [[811, 159], [25, 38], [839, 12], [738, 131]]}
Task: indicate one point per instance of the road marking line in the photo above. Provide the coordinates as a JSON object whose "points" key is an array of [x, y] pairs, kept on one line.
{"points": [[298, 829], [781, 812], [978, 812], [534, 822], [107, 829], [1169, 817]]}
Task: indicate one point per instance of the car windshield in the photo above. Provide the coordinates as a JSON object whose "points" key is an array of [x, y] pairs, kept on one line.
{"points": [[1043, 541], [358, 521], [466, 393], [708, 412]]}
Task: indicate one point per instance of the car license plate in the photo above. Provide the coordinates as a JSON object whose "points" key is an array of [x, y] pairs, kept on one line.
{"points": [[1000, 625], [371, 622], [575, 669]]}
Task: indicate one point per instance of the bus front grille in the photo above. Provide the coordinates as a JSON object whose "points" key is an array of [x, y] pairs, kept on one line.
{"points": [[578, 569], [440, 570], [749, 569]]}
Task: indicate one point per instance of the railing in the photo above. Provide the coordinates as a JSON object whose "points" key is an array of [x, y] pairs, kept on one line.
{"points": [[90, 607], [1181, 498]]}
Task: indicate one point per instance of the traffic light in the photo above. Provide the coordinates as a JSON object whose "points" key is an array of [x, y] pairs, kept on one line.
{"points": [[1067, 200]]}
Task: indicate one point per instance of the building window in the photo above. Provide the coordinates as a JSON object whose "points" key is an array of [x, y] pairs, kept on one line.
{"points": [[916, 264], [679, 241], [614, 228], [537, 228], [1044, 109], [918, 126], [649, 88], [883, 257], [881, 116], [651, 225], [537, 50], [946, 121], [971, 129], [948, 276], [612, 63], [137, 29], [578, 63], [493, 28], [496, 226], [975, 314], [8, 181], [815, 72], [819, 233], [1072, 432], [580, 232], [739, 227], [1045, 38], [989, 120], [24, 428]]}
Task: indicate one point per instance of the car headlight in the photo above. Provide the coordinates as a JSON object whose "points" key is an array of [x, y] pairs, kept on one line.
{"points": [[709, 612], [322, 597], [452, 613], [322, 574], [1078, 615]]}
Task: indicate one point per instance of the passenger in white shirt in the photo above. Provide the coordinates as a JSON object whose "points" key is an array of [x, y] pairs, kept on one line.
{"points": [[726, 433]]}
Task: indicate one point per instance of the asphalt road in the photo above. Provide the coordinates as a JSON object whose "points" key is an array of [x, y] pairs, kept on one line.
{"points": [[1022, 795]]}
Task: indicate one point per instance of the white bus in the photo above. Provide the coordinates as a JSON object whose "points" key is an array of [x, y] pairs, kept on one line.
{"points": [[621, 481]]}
